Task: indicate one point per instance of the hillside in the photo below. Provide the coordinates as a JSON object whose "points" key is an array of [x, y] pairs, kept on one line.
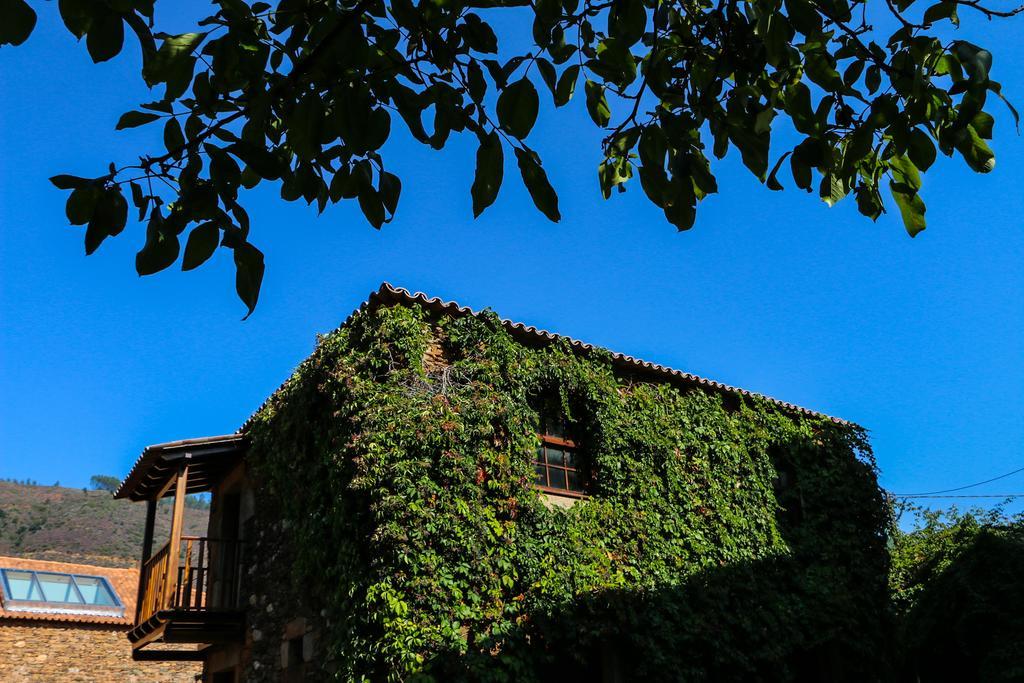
{"points": [[72, 525]]}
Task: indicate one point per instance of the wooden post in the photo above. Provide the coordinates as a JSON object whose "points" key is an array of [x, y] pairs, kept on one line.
{"points": [[176, 526], [147, 552]]}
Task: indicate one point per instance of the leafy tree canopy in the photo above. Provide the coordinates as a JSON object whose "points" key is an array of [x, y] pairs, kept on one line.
{"points": [[305, 93], [104, 482]]}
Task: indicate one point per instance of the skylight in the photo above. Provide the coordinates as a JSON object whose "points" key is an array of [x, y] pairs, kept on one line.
{"points": [[32, 591]]}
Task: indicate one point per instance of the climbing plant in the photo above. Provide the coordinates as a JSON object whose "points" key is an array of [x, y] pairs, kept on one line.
{"points": [[724, 538]]}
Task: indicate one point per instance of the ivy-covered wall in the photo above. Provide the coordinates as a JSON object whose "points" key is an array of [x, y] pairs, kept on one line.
{"points": [[725, 538]]}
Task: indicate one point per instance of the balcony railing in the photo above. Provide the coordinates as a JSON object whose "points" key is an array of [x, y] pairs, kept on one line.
{"points": [[203, 577]]}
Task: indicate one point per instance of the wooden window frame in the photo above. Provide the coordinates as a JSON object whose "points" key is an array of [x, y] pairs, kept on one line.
{"points": [[563, 444]]}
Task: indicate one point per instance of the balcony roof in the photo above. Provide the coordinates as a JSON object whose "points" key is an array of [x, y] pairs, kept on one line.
{"points": [[208, 459]]}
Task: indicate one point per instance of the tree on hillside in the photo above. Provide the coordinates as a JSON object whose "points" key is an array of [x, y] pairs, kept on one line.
{"points": [[104, 482], [305, 93]]}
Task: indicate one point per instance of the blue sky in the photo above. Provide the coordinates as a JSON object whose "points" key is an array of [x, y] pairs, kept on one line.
{"points": [[917, 340]]}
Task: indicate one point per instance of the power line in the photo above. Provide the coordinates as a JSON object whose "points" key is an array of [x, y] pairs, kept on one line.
{"points": [[959, 488], [1004, 495]]}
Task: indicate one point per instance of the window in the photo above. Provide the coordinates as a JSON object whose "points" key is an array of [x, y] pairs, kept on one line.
{"points": [[556, 465], [29, 590]]}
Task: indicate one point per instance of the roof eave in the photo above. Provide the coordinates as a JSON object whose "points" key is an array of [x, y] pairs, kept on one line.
{"points": [[159, 456]]}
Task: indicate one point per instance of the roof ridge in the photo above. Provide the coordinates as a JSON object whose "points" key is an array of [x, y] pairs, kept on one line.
{"points": [[389, 291]]}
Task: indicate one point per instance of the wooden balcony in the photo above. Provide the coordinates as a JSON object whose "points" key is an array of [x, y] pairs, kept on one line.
{"points": [[188, 594]]}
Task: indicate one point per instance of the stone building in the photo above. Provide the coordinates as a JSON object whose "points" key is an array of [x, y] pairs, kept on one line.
{"points": [[67, 622], [438, 494]]}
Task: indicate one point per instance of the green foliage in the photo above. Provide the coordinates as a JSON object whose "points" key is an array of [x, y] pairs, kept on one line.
{"points": [[86, 526], [405, 486], [957, 588], [104, 482], [305, 94]]}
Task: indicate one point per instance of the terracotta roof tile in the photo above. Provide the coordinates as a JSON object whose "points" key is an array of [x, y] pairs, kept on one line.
{"points": [[123, 581]]}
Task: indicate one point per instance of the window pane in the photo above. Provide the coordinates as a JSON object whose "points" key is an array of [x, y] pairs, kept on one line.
{"points": [[540, 477], [21, 585], [58, 588], [575, 483], [570, 459], [95, 591], [556, 428], [555, 456], [556, 477]]}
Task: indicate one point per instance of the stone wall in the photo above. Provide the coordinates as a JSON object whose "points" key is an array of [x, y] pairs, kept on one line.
{"points": [[282, 639], [40, 652]]}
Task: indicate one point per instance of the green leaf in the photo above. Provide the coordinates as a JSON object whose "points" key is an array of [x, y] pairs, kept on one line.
{"points": [[258, 158], [911, 206], [753, 148], [983, 124], [249, 268], [869, 203], [68, 182], [801, 172], [832, 189], [82, 203], [547, 74], [306, 121], [174, 139], [479, 35], [517, 108], [940, 11], [681, 210], [108, 219], [567, 85], [490, 168], [201, 244], [161, 247], [873, 78], [976, 152], [134, 119], [224, 171], [106, 37], [389, 188], [475, 82], [17, 20], [820, 69], [920, 149], [905, 172], [536, 181], [78, 15], [798, 106], [172, 57], [614, 62], [371, 205], [803, 17], [597, 104], [627, 20]]}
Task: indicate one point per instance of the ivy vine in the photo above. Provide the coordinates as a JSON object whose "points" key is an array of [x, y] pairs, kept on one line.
{"points": [[724, 538]]}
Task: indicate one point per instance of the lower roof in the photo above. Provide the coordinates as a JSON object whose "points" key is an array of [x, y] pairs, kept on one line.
{"points": [[123, 581], [208, 459]]}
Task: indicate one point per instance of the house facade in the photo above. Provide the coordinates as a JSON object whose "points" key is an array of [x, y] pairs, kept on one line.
{"points": [[439, 494], [62, 621]]}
